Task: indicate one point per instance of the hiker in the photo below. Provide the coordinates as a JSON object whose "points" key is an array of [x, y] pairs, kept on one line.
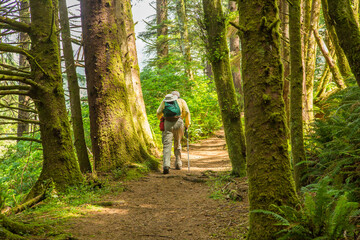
{"points": [[175, 111]]}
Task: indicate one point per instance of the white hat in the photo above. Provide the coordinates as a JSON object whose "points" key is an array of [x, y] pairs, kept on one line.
{"points": [[170, 98], [176, 93]]}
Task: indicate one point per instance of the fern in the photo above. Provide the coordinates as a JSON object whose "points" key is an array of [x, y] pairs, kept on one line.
{"points": [[324, 214]]}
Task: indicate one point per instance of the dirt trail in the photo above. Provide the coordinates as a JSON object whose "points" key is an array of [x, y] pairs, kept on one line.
{"points": [[174, 206]]}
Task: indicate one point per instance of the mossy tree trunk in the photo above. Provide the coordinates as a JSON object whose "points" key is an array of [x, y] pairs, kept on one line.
{"points": [[162, 46], [219, 57], [285, 53], [268, 165], [60, 163], [342, 61], [132, 73], [114, 137], [235, 53], [347, 30], [296, 83], [74, 90]]}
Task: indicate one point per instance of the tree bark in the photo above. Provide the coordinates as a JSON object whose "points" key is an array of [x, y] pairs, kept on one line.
{"points": [[219, 58], [74, 90], [268, 165], [113, 133], [296, 83], [184, 33], [130, 58], [330, 61], [310, 57], [285, 53], [60, 163], [162, 46], [235, 51], [342, 61], [347, 30]]}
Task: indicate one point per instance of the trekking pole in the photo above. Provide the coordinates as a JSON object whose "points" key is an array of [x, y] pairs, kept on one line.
{"points": [[187, 140]]}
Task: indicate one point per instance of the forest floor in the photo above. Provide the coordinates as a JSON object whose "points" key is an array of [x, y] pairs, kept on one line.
{"points": [[174, 206]]}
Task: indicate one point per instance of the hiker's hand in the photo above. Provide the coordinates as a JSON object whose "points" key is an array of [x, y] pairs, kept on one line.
{"points": [[186, 133]]}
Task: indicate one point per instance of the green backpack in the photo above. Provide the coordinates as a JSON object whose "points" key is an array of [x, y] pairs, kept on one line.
{"points": [[172, 109]]}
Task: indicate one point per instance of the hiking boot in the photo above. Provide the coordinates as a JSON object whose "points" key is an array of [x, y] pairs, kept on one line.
{"points": [[166, 170], [177, 167]]}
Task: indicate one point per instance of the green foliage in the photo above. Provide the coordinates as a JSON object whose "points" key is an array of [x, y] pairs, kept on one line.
{"points": [[223, 186], [200, 96], [20, 167], [333, 148], [325, 214]]}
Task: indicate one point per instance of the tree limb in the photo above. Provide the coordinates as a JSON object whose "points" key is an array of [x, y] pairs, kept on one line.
{"points": [[13, 92], [20, 139], [15, 87], [238, 27], [12, 73], [20, 120], [9, 48], [17, 108], [15, 25], [19, 79]]}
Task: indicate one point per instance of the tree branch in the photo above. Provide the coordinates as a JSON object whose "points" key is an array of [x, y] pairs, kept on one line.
{"points": [[15, 25], [19, 79], [17, 108], [20, 139], [9, 48], [10, 92], [20, 120], [238, 27], [15, 87], [12, 73]]}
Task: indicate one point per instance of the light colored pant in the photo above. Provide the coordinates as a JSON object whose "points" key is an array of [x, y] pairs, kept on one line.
{"points": [[176, 130]]}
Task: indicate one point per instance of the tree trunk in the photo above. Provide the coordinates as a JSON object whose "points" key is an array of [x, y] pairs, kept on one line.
{"points": [[342, 61], [310, 57], [113, 133], [285, 53], [130, 61], [60, 163], [296, 120], [73, 86], [268, 165], [347, 30], [184, 33], [235, 51], [219, 58], [330, 61], [24, 101], [162, 46]]}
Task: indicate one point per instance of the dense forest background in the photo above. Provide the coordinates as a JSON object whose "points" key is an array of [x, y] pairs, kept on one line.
{"points": [[283, 83]]}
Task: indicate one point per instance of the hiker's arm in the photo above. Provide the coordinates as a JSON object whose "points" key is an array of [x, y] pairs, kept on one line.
{"points": [[187, 115], [159, 112]]}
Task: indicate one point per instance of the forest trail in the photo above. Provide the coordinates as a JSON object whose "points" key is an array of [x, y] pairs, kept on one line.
{"points": [[173, 206]]}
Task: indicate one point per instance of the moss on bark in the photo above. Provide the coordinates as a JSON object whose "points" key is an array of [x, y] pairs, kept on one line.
{"points": [[268, 164], [347, 30], [230, 110], [113, 132], [60, 163], [296, 120]]}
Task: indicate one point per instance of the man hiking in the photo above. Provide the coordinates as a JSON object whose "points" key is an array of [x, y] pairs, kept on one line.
{"points": [[176, 112]]}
